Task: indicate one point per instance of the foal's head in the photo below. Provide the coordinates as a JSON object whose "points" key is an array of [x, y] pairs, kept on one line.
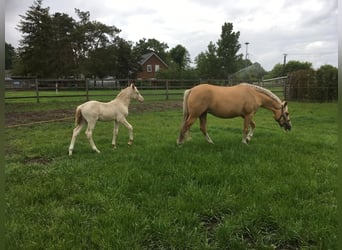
{"points": [[284, 117], [134, 93]]}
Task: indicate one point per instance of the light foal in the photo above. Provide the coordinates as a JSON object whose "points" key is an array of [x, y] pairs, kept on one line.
{"points": [[228, 102], [115, 110]]}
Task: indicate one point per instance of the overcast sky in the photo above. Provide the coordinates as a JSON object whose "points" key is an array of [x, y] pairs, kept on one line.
{"points": [[305, 30]]}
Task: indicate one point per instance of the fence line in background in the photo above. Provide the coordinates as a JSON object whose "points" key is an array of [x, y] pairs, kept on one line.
{"points": [[165, 87]]}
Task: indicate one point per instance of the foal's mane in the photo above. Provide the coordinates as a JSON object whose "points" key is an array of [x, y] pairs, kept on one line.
{"points": [[264, 91]]}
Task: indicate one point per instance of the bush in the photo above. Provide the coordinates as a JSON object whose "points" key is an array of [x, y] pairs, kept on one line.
{"points": [[311, 85]]}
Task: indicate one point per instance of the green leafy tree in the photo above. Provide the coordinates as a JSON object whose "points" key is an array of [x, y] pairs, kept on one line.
{"points": [[127, 61], [9, 56], [221, 59], [292, 66], [180, 56], [228, 47], [63, 27], [208, 65], [144, 46], [35, 46], [90, 36], [327, 81]]}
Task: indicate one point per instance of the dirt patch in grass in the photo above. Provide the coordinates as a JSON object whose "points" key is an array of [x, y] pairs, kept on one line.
{"points": [[38, 160], [13, 118]]}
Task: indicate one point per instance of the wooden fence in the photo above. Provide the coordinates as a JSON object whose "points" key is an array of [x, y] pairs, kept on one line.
{"points": [[16, 88]]}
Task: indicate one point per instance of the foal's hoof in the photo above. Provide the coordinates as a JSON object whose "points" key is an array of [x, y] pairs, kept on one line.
{"points": [[130, 142], [114, 146], [245, 141]]}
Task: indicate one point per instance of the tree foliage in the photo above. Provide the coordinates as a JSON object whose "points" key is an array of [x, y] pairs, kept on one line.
{"points": [[180, 56], [292, 66], [221, 58], [9, 56], [308, 84]]}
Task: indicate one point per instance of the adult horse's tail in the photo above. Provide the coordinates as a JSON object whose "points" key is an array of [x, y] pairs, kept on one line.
{"points": [[182, 133], [185, 104], [78, 116]]}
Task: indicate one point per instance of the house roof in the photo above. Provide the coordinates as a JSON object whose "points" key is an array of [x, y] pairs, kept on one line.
{"points": [[147, 56]]}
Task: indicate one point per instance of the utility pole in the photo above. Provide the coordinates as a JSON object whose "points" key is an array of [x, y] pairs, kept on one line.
{"points": [[246, 54], [284, 64]]}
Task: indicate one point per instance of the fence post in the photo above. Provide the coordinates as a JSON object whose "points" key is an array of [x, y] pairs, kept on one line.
{"points": [[37, 90], [87, 89], [167, 89]]}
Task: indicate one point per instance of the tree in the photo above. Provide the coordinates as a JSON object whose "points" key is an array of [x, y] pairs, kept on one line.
{"points": [[35, 45], [292, 66], [9, 56], [327, 81], [90, 36], [221, 59], [144, 46], [180, 56], [63, 27], [208, 64], [227, 48]]}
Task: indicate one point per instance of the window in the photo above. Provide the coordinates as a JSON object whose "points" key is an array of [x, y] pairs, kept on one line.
{"points": [[156, 68], [149, 68]]}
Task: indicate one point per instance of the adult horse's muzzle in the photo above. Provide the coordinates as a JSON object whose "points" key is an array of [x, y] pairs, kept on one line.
{"points": [[286, 125]]}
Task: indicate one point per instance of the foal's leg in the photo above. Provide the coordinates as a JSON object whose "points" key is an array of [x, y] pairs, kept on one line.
{"points": [[130, 130], [115, 133], [203, 127], [75, 133], [185, 128], [89, 133]]}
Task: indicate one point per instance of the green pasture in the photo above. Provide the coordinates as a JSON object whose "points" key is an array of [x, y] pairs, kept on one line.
{"points": [[279, 192]]}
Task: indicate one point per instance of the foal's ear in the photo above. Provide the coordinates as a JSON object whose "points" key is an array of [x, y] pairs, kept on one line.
{"points": [[132, 85], [284, 104]]}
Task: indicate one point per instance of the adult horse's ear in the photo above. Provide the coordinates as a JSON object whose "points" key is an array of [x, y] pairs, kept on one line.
{"points": [[284, 103]]}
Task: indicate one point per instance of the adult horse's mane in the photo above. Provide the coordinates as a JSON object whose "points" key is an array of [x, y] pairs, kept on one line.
{"points": [[264, 91]]}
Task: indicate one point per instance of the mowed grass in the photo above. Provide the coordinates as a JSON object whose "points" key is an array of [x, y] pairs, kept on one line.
{"points": [[279, 192]]}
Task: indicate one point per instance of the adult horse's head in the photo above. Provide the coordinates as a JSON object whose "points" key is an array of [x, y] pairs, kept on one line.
{"points": [[284, 117], [135, 94]]}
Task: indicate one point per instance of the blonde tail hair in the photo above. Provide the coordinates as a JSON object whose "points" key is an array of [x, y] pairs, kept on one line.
{"points": [[78, 117], [185, 104]]}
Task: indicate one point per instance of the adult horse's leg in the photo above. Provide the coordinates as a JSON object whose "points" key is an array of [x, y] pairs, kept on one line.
{"points": [[246, 124], [75, 133], [203, 127], [130, 130], [251, 130], [185, 128], [115, 133], [89, 133]]}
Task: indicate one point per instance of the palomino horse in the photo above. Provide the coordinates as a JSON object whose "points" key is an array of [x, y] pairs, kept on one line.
{"points": [[229, 102], [117, 110]]}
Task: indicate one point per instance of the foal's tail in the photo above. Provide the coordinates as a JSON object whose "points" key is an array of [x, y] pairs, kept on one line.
{"points": [[78, 116], [185, 104]]}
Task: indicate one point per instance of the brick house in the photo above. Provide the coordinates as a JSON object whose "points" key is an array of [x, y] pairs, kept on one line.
{"points": [[150, 64]]}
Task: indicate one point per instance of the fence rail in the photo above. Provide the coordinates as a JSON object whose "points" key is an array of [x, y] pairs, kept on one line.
{"points": [[38, 89]]}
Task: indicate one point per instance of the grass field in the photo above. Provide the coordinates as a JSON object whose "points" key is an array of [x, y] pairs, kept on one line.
{"points": [[279, 192]]}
